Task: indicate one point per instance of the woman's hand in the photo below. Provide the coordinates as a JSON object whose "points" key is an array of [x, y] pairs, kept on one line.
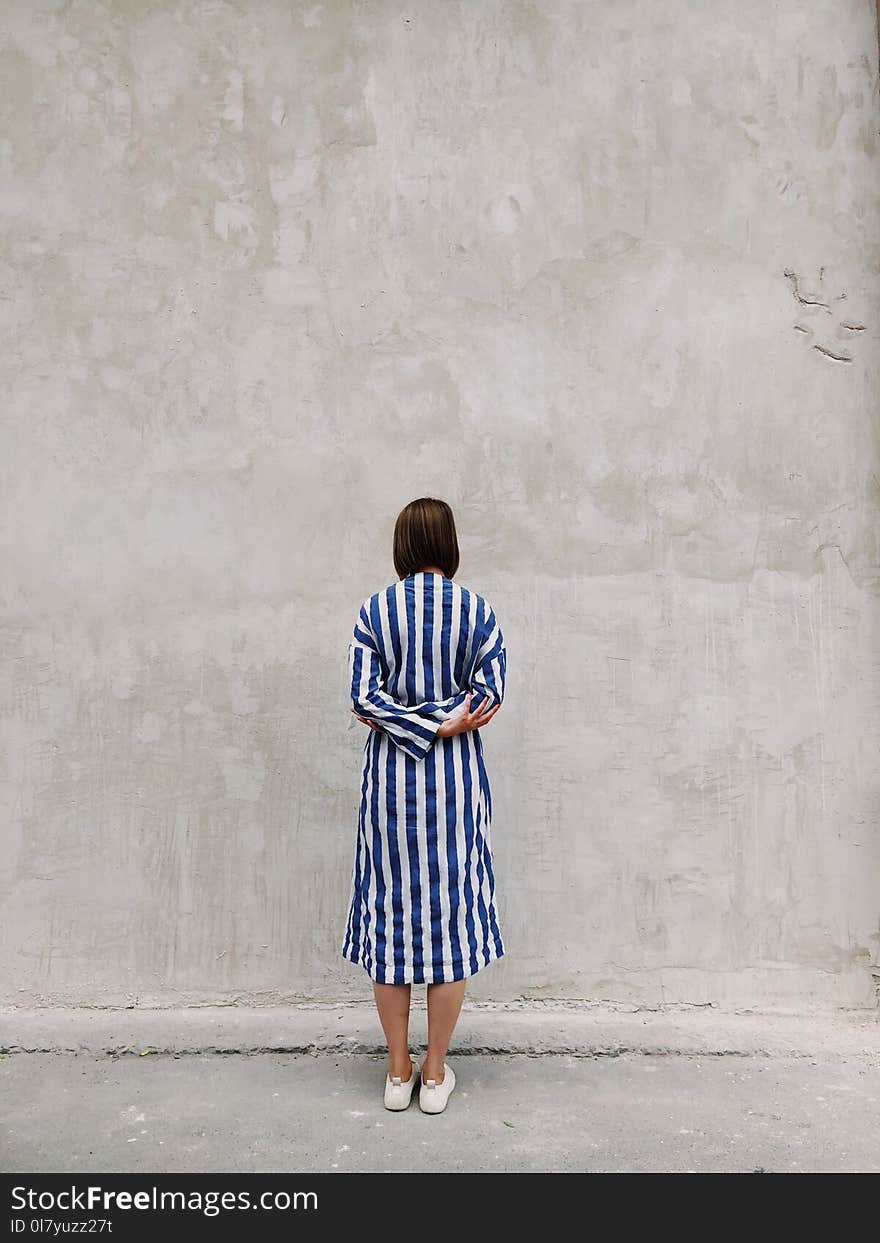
{"points": [[462, 720], [366, 720]]}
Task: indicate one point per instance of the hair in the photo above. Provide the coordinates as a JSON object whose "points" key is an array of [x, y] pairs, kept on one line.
{"points": [[424, 534]]}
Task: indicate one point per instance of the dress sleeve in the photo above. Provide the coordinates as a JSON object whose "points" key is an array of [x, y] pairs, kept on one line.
{"points": [[490, 667], [412, 727]]}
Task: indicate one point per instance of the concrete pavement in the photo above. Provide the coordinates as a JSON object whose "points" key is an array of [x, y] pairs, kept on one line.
{"points": [[295, 1112], [596, 1089]]}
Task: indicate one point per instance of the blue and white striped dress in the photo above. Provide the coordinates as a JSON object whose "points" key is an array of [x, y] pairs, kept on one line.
{"points": [[423, 888]]}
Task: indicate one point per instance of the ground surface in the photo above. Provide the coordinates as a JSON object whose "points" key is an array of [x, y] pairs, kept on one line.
{"points": [[296, 1112]]}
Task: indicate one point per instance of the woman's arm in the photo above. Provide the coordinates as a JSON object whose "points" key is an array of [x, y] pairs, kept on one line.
{"points": [[411, 726], [490, 668], [487, 683]]}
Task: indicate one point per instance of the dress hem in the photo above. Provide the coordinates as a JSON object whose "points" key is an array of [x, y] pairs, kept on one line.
{"points": [[460, 971]]}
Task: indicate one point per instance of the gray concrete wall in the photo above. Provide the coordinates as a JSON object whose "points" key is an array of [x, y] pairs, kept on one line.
{"points": [[602, 275]]}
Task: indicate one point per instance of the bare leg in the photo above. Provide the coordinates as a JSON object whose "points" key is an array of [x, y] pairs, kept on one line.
{"points": [[444, 1007], [392, 1002]]}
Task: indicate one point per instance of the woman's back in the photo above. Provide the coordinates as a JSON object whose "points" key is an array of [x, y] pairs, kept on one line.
{"points": [[429, 634]]}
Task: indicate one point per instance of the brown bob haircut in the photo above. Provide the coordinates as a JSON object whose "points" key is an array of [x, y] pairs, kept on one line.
{"points": [[424, 534]]}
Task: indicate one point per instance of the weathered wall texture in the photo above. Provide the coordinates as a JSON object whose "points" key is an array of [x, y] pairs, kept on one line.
{"points": [[602, 275]]}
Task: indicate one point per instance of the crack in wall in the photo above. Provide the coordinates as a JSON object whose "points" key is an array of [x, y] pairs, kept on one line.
{"points": [[368, 1048], [803, 298], [838, 358]]}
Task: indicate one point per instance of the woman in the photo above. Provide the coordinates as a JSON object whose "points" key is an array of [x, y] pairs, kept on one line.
{"points": [[427, 663]]}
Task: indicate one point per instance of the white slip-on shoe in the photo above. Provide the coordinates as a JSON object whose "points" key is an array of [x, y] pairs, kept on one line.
{"points": [[398, 1094], [433, 1096]]}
